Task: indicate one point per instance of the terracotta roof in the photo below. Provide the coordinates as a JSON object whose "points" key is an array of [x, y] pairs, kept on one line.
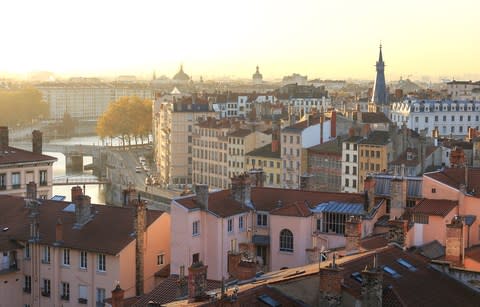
{"points": [[374, 242], [454, 177], [440, 207], [98, 235], [240, 133], [266, 199], [15, 155], [265, 152], [168, 291], [295, 209], [374, 118]]}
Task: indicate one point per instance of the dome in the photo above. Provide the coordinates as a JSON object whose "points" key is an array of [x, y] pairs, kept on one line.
{"points": [[181, 76], [257, 75]]}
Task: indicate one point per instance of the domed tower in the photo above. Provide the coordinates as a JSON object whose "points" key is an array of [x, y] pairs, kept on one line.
{"points": [[257, 77], [181, 76]]}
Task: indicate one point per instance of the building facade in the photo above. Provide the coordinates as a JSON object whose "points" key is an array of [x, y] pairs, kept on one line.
{"points": [[375, 154], [350, 160]]}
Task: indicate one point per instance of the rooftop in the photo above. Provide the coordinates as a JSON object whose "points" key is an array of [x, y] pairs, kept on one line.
{"points": [[265, 152], [439, 207], [374, 118], [455, 177], [10, 155], [377, 138]]}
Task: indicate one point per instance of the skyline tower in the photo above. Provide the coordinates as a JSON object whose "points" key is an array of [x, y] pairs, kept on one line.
{"points": [[380, 94]]}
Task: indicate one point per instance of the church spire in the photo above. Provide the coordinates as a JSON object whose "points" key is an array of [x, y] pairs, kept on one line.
{"points": [[380, 56], [380, 94]]}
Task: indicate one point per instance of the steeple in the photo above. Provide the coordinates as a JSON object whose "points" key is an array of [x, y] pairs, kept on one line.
{"points": [[380, 94]]}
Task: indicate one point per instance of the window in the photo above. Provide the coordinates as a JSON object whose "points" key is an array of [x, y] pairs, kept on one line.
{"points": [[3, 181], [347, 183], [333, 222], [406, 264], [46, 288], [46, 254], [354, 171], [391, 271], [262, 219], [100, 297], [355, 158], [82, 294], [286, 241], [15, 180], [66, 256], [233, 245], [101, 263], [354, 146], [298, 139], [347, 146], [347, 158], [241, 226], [160, 259], [43, 178], [347, 169], [27, 251], [196, 228], [65, 291], [420, 218], [196, 258], [83, 259], [27, 284], [230, 225], [354, 183], [291, 139]]}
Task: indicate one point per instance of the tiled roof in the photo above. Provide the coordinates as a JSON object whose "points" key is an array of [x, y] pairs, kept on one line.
{"points": [[240, 133], [454, 177], [295, 209], [354, 139], [331, 147], [163, 272], [168, 291], [374, 118], [377, 138], [374, 242], [98, 235], [265, 152], [15, 155], [440, 207], [222, 203]]}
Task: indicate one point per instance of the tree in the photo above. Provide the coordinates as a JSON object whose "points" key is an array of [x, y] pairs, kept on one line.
{"points": [[21, 106]]}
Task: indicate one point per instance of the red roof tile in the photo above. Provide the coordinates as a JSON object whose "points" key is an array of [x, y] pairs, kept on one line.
{"points": [[454, 177], [440, 207], [374, 242], [295, 209]]}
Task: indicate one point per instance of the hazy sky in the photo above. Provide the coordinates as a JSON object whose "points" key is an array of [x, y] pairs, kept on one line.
{"points": [[326, 39]]}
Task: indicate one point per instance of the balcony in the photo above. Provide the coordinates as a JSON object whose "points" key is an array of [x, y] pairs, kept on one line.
{"points": [[82, 301]]}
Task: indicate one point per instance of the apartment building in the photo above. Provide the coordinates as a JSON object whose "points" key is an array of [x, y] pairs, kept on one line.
{"points": [[268, 159], [463, 90], [350, 182], [173, 122], [375, 154], [71, 254], [20, 167]]}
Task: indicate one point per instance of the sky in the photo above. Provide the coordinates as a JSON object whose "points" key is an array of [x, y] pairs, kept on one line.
{"points": [[218, 38]]}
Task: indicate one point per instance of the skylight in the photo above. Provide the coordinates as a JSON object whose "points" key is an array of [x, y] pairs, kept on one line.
{"points": [[69, 208], [391, 271], [406, 264], [357, 276], [269, 301]]}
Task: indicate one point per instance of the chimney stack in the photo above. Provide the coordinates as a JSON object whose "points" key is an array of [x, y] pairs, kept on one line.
{"points": [[129, 195], [258, 176], [197, 282], [397, 232], [201, 192], [241, 189], [117, 296], [140, 226], [331, 279], [372, 285], [83, 212], [37, 142], [454, 247], [333, 124], [398, 195], [76, 192], [3, 137], [369, 187], [31, 190], [353, 233]]}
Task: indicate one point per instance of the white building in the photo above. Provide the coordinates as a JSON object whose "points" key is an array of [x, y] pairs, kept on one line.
{"points": [[449, 117], [295, 79], [350, 164], [463, 90]]}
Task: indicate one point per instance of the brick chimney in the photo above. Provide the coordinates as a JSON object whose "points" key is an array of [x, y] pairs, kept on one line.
{"points": [[197, 282], [31, 190], [59, 231], [3, 137], [182, 289], [353, 233], [258, 176], [201, 192], [331, 279], [37, 142], [140, 226], [397, 232], [454, 247], [76, 192], [369, 187], [83, 211], [117, 296], [372, 285], [333, 124], [398, 196], [241, 189]]}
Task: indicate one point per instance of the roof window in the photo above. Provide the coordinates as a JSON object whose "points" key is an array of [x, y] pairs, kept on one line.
{"points": [[406, 264], [357, 276], [391, 271]]}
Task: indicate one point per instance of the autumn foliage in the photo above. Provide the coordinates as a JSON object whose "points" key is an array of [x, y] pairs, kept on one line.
{"points": [[21, 106], [129, 118]]}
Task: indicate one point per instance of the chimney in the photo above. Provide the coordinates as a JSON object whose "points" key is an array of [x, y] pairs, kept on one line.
{"points": [[369, 187], [129, 195], [333, 124], [59, 231], [139, 227], [241, 189], [201, 192], [331, 279], [76, 192], [372, 285], [353, 233], [454, 247], [398, 195], [83, 213], [397, 232], [197, 282], [3, 137], [117, 296], [258, 176], [37, 142], [182, 284], [31, 190]]}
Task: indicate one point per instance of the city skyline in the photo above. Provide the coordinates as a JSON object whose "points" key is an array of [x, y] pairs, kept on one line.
{"points": [[214, 39]]}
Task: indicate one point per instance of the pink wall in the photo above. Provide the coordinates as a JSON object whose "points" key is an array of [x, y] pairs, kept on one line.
{"points": [[11, 285], [442, 191]]}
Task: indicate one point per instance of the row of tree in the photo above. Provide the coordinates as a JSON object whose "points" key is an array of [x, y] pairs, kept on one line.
{"points": [[21, 106], [127, 118]]}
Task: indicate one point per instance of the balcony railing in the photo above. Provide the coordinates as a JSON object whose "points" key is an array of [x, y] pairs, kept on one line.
{"points": [[82, 301]]}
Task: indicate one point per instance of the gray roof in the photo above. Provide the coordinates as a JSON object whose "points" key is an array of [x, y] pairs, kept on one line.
{"points": [[339, 207], [414, 186]]}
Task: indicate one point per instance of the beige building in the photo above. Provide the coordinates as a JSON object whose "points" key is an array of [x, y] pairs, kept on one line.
{"points": [[71, 254], [18, 167], [173, 133], [268, 159]]}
